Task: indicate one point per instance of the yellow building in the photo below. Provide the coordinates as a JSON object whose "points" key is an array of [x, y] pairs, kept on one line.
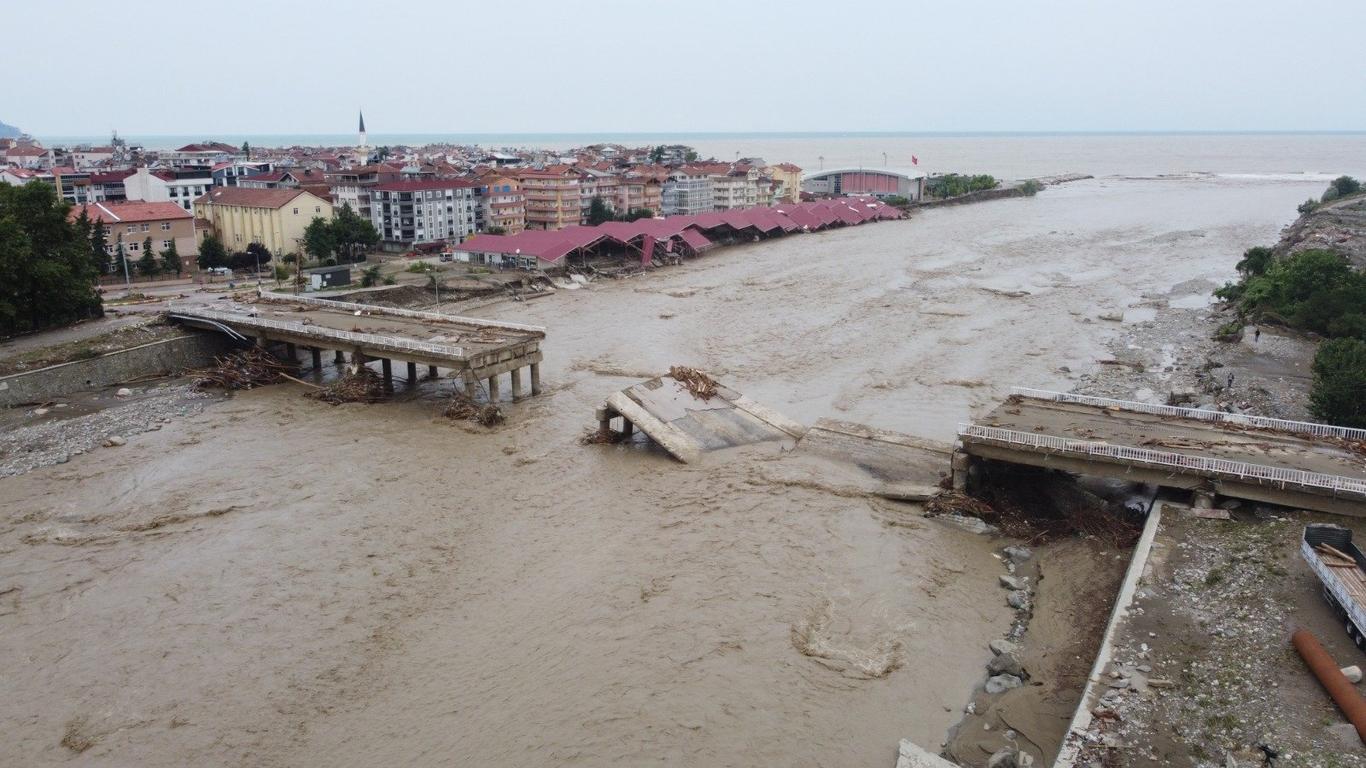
{"points": [[788, 178], [275, 218]]}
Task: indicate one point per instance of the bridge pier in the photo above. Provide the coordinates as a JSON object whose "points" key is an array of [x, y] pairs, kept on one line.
{"points": [[291, 352], [535, 378], [493, 389], [317, 359], [387, 367], [516, 374], [412, 374], [339, 358], [960, 465], [431, 371]]}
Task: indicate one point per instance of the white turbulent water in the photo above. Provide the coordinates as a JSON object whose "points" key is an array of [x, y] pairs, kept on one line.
{"points": [[279, 582]]}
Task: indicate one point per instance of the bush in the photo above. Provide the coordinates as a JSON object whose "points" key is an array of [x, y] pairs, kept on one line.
{"points": [[1330, 194], [1346, 185], [1255, 261], [896, 200], [370, 276], [1338, 395], [420, 267], [1308, 206]]}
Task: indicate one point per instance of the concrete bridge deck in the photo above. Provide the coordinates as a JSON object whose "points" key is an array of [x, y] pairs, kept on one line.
{"points": [[473, 349], [1296, 464]]}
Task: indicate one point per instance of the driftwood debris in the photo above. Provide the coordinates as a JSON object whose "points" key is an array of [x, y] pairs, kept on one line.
{"points": [[462, 407], [702, 386], [363, 386], [244, 369]]}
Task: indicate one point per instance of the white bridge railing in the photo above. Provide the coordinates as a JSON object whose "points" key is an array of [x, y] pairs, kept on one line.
{"points": [[1199, 464], [416, 314], [324, 333], [1214, 417]]}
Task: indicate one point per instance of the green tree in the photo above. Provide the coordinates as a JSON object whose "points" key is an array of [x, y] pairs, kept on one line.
{"points": [[1346, 185], [599, 211], [148, 266], [1255, 261], [638, 213], [47, 277], [257, 254], [657, 154], [370, 276], [352, 235], [690, 156], [99, 247], [246, 149], [212, 253], [1338, 395], [319, 239], [170, 260]]}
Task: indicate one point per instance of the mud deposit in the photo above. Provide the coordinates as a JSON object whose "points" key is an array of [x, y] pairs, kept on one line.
{"points": [[275, 581]]}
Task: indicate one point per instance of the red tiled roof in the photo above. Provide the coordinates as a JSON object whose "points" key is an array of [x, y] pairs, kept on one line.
{"points": [[109, 177], [114, 212], [251, 198]]}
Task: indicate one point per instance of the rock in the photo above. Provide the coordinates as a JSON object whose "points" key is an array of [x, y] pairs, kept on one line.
{"points": [[1018, 553], [969, 524], [1019, 599], [1352, 673], [113, 441], [1346, 735], [1000, 646], [1006, 664], [1002, 683], [39, 411], [1011, 582], [1010, 757], [124, 392]]}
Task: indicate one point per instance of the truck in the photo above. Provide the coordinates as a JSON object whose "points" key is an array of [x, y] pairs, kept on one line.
{"points": [[1341, 569]]}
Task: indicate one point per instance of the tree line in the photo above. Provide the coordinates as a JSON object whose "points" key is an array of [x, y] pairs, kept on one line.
{"points": [[49, 263]]}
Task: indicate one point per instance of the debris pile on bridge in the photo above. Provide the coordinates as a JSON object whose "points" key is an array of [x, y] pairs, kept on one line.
{"points": [[244, 369], [462, 407], [361, 386], [702, 386]]}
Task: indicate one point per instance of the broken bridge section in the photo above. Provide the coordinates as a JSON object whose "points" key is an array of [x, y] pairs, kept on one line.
{"points": [[475, 350], [1290, 463]]}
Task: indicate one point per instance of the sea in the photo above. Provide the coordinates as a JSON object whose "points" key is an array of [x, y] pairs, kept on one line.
{"points": [[1004, 155]]}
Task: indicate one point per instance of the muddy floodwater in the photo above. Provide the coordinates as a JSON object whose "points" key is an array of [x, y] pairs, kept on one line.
{"points": [[278, 582]]}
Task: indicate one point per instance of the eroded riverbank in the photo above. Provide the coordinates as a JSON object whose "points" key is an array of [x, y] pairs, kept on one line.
{"points": [[274, 581]]}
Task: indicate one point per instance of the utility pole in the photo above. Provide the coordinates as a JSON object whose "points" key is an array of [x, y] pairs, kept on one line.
{"points": [[123, 258]]}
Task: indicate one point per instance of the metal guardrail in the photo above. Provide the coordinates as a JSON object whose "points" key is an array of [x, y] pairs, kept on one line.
{"points": [[1221, 467], [321, 332], [1215, 417], [416, 314]]}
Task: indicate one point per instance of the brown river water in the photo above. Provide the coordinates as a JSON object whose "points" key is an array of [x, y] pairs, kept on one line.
{"points": [[279, 582]]}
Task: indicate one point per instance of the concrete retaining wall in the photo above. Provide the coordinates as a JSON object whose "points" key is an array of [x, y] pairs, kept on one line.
{"points": [[167, 356]]}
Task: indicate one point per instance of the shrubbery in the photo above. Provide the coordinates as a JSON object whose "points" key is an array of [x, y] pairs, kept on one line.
{"points": [[1339, 392], [953, 184]]}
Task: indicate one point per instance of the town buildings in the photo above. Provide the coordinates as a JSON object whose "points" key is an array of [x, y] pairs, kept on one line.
{"points": [[128, 225], [687, 191], [275, 218], [352, 186], [204, 156], [734, 186], [787, 179], [423, 211], [502, 204], [181, 186], [552, 196]]}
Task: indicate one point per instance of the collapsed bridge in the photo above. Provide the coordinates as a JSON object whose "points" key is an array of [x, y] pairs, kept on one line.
{"points": [[472, 349], [1290, 463]]}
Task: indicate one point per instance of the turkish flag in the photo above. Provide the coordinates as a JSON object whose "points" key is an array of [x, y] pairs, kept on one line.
{"points": [[915, 160]]}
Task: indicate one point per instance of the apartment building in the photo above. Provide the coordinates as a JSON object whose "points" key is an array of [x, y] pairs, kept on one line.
{"points": [[423, 211], [352, 186], [181, 186], [72, 185], [596, 183], [502, 205], [275, 218], [203, 156], [130, 223], [553, 200], [108, 185], [734, 187], [787, 180], [637, 190], [687, 191]]}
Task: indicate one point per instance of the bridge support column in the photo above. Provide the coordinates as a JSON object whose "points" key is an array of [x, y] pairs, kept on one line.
{"points": [[317, 359], [1202, 498], [604, 416], [471, 384], [431, 371], [262, 340], [291, 352], [535, 378], [493, 389], [627, 428], [339, 358], [516, 383], [358, 360], [387, 366], [412, 374], [960, 464]]}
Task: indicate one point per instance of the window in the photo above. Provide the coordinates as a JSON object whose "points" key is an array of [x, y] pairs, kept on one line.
{"points": [[296, 211], [146, 227], [317, 209], [165, 226], [133, 246], [165, 244]]}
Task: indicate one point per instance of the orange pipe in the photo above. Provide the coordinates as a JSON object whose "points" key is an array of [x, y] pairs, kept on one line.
{"points": [[1330, 675]]}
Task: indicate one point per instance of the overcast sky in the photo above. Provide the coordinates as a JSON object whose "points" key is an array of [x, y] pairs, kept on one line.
{"points": [[81, 67]]}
